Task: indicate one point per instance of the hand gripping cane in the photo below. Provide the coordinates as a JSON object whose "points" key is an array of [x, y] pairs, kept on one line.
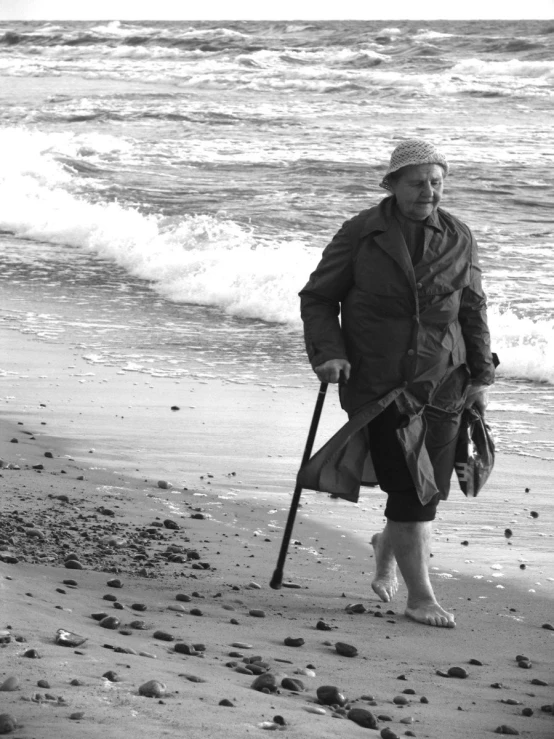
{"points": [[277, 579]]}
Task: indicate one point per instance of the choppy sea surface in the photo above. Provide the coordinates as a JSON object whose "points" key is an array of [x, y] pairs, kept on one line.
{"points": [[166, 188]]}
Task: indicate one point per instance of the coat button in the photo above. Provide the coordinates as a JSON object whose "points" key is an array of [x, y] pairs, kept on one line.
{"points": [[411, 352]]}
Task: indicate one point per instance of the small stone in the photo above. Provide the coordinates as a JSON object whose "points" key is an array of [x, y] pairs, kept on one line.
{"points": [[534, 514], [76, 682], [110, 597], [32, 654], [346, 650], [112, 676], [548, 627], [362, 717], [169, 524], [423, 699], [476, 662], [253, 586], [163, 636], [292, 641], [525, 664], [241, 645], [315, 709], [538, 681], [322, 626], [293, 684], [409, 691], [185, 648], [77, 715], [7, 723], [400, 700], [266, 682], [43, 684], [227, 703], [73, 564], [279, 720], [504, 729], [457, 672], [71, 583], [196, 612], [407, 720], [355, 608], [68, 639], [110, 622], [526, 711], [115, 583], [138, 625], [164, 485], [388, 733], [183, 598], [138, 607], [508, 533], [192, 678], [152, 689], [330, 695], [11, 683]]}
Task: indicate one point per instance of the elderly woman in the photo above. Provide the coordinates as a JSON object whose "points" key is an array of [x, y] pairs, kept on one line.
{"points": [[411, 350]]}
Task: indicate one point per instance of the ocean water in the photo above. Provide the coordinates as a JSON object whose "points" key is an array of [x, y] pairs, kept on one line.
{"points": [[166, 188]]}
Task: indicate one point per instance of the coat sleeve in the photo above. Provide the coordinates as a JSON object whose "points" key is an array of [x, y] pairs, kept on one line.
{"points": [[473, 320], [320, 299]]}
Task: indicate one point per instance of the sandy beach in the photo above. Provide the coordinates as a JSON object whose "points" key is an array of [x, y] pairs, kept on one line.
{"points": [[172, 582]]}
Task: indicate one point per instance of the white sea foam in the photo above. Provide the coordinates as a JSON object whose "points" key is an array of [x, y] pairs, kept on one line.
{"points": [[525, 346], [511, 68]]}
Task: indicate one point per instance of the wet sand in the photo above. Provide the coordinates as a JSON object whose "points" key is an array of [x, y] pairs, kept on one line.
{"points": [[230, 453]]}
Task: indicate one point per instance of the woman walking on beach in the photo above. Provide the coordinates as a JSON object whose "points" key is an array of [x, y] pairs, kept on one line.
{"points": [[411, 349]]}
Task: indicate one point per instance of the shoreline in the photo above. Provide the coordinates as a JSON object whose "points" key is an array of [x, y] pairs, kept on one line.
{"points": [[237, 543]]}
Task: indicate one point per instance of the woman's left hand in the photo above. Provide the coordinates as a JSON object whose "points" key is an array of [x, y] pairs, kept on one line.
{"points": [[478, 396]]}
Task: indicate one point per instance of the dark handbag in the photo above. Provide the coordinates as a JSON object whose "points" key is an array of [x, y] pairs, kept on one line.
{"points": [[474, 459]]}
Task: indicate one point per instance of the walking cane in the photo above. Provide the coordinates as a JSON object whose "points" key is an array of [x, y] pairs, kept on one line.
{"points": [[277, 579]]}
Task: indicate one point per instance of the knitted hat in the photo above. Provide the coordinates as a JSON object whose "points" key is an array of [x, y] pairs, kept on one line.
{"points": [[413, 151]]}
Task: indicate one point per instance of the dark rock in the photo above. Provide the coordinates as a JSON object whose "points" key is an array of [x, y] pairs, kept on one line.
{"points": [[388, 733], [77, 715], [196, 612], [98, 616], [138, 607], [183, 598], [112, 598], [362, 717], [322, 626], [400, 700], [457, 672], [475, 662], [114, 583], [43, 684], [548, 627], [346, 650], [506, 730], [526, 711], [257, 613], [227, 703], [73, 564], [185, 648], [279, 720], [138, 625], [169, 524], [112, 676], [292, 683], [330, 695], [68, 639], [266, 682], [163, 636], [192, 678], [292, 641], [32, 654], [355, 608], [10, 684], [538, 681], [152, 689], [110, 622]]}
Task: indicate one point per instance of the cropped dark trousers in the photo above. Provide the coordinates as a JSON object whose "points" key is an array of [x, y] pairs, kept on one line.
{"points": [[392, 472]]}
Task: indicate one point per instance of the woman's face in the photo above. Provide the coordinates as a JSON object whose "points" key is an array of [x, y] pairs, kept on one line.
{"points": [[418, 190]]}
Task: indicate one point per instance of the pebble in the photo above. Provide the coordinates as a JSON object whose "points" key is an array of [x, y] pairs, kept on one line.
{"points": [[110, 622], [11, 683], [457, 672], [185, 648], [534, 514], [138, 625], [355, 608], [241, 645], [266, 682], [257, 613], [548, 627], [68, 639], [163, 636], [110, 597], [7, 723], [112, 676], [315, 709], [177, 608], [138, 607], [322, 626], [164, 485], [292, 641], [226, 702], [526, 711], [476, 662], [43, 684], [291, 683], [504, 729], [170, 524], [77, 716], [76, 682], [114, 583], [254, 586], [346, 650], [388, 733], [152, 689], [32, 654], [305, 671], [182, 597], [73, 564], [362, 717], [400, 700], [330, 695], [196, 612], [538, 681]]}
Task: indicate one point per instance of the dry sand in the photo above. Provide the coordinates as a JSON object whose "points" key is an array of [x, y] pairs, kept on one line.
{"points": [[231, 454]]}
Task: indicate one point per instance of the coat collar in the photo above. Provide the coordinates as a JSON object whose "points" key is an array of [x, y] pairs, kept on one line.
{"points": [[381, 218]]}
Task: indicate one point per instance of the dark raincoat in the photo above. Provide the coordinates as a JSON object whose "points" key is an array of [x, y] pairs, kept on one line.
{"points": [[414, 335]]}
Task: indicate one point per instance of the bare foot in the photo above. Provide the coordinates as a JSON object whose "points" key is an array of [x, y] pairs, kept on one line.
{"points": [[385, 582], [431, 614]]}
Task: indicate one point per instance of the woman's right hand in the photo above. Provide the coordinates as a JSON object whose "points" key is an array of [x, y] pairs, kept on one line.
{"points": [[333, 370]]}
